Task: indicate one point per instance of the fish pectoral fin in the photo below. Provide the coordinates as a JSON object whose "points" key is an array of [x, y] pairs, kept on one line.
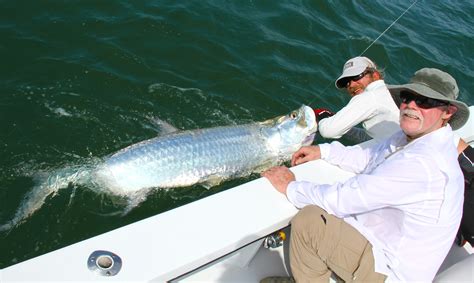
{"points": [[265, 165], [212, 181]]}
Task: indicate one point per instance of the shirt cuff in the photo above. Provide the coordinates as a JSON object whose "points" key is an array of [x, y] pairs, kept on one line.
{"points": [[291, 191], [299, 193]]}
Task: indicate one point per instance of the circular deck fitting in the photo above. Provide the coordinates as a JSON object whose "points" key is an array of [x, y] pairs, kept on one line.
{"points": [[104, 263]]}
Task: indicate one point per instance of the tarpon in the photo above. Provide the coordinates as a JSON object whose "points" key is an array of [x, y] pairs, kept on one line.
{"points": [[207, 156], [183, 158]]}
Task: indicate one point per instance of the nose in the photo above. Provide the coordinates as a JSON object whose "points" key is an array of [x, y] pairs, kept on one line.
{"points": [[412, 104]]}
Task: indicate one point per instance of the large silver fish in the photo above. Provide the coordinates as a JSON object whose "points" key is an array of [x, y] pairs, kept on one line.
{"points": [[207, 156], [183, 158]]}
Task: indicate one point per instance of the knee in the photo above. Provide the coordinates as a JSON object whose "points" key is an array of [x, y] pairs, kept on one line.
{"points": [[309, 216]]}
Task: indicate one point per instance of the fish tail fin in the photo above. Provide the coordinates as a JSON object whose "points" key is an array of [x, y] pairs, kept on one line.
{"points": [[33, 201], [47, 186]]}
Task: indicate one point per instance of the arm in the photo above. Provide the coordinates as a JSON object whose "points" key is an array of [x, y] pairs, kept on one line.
{"points": [[354, 159], [461, 146], [355, 134], [305, 154], [350, 158], [355, 112], [398, 182], [280, 176]]}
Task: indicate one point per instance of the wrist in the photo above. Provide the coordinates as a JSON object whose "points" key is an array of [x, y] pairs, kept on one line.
{"points": [[322, 113]]}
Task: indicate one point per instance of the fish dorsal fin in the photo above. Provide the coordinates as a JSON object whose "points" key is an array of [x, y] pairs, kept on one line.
{"points": [[163, 127]]}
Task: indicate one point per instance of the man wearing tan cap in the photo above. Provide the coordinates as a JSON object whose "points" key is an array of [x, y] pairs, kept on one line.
{"points": [[371, 105], [397, 218]]}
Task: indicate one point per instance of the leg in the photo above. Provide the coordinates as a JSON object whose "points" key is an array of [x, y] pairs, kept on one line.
{"points": [[322, 244], [307, 232]]}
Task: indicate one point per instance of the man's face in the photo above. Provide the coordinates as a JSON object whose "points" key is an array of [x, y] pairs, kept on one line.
{"points": [[417, 121], [356, 85]]}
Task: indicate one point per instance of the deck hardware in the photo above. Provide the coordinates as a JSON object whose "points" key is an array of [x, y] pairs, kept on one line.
{"points": [[104, 263], [274, 240]]}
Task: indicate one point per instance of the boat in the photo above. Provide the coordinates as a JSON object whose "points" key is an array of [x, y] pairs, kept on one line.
{"points": [[237, 235]]}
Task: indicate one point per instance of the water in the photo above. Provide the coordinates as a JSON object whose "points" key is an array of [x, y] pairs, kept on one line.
{"points": [[81, 80]]}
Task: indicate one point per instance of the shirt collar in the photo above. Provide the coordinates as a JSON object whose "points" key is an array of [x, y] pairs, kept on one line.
{"points": [[375, 84]]}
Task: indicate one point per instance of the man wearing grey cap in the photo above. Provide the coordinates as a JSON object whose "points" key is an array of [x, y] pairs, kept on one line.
{"points": [[397, 218], [371, 105]]}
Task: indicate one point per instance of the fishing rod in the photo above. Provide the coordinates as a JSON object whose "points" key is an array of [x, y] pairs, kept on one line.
{"points": [[372, 43]]}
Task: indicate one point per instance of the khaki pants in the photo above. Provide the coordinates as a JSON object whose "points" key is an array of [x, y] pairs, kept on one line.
{"points": [[322, 243]]}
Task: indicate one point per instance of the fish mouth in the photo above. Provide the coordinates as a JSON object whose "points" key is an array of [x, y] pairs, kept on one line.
{"points": [[309, 139], [310, 118]]}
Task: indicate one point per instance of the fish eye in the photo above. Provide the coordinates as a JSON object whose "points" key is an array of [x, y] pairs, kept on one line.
{"points": [[293, 115]]}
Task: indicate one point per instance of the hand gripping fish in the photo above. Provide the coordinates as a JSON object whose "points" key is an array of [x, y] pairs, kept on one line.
{"points": [[184, 158]]}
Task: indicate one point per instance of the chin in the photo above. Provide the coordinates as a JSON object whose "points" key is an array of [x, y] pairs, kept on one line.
{"points": [[411, 131]]}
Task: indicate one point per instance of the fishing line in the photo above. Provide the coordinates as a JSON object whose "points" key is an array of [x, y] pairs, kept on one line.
{"points": [[370, 45], [388, 27]]}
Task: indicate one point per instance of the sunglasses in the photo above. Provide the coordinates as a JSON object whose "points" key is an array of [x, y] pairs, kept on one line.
{"points": [[422, 101], [348, 80]]}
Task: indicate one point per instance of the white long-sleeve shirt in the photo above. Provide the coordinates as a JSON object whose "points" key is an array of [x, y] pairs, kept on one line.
{"points": [[374, 108], [406, 199]]}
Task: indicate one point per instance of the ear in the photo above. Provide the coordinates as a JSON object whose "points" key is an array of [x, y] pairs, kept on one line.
{"points": [[376, 75], [449, 112]]}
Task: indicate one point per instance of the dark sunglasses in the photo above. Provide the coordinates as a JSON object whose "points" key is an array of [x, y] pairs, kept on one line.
{"points": [[422, 101], [348, 80]]}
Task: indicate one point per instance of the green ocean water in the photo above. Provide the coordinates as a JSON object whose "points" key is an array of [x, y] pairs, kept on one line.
{"points": [[83, 79]]}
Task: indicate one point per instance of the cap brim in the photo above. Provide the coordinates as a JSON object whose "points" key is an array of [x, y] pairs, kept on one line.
{"points": [[341, 82]]}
